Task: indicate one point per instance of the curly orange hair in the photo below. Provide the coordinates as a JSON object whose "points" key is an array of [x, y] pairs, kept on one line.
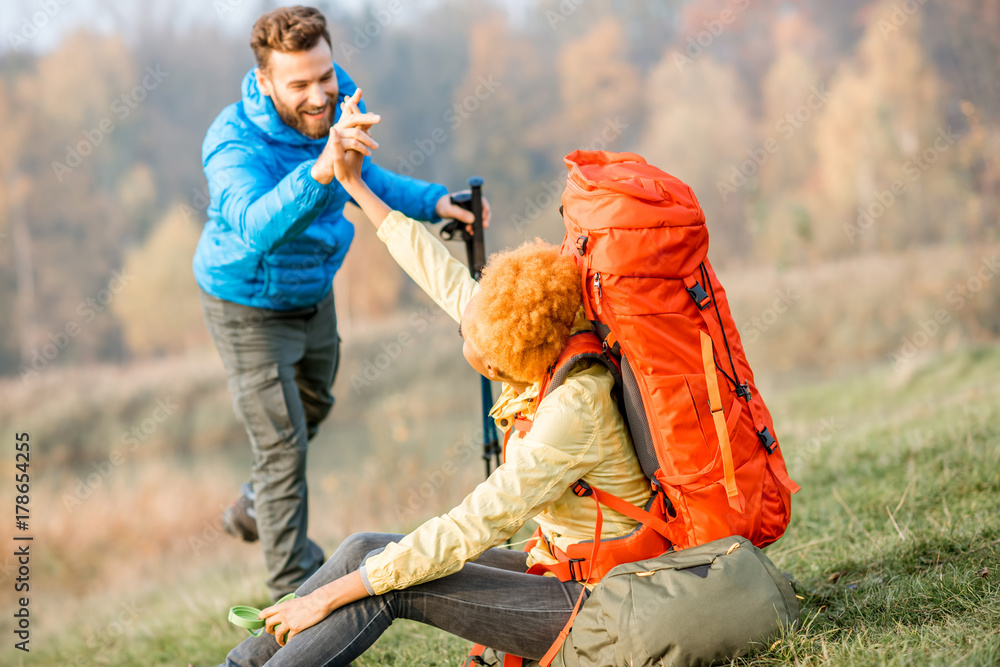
{"points": [[527, 301]]}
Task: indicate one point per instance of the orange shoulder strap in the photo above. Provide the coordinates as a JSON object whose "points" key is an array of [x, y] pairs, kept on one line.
{"points": [[550, 655]]}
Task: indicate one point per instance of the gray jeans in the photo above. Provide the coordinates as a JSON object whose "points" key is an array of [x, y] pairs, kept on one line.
{"points": [[281, 365], [491, 602]]}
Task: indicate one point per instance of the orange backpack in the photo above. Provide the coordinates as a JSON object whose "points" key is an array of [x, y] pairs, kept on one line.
{"points": [[700, 428], [663, 328]]}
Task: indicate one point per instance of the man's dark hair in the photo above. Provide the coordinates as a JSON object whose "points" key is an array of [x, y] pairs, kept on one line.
{"points": [[287, 29]]}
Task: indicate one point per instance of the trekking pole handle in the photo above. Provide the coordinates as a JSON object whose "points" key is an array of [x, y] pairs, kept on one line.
{"points": [[478, 243], [475, 250]]}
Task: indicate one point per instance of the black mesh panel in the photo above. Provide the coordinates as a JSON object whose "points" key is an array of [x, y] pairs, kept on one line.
{"points": [[638, 423]]}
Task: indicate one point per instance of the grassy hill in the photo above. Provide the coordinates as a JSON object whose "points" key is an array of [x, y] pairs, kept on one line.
{"points": [[894, 542]]}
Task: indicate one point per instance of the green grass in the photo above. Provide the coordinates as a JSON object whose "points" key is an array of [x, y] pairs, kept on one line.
{"points": [[892, 537]]}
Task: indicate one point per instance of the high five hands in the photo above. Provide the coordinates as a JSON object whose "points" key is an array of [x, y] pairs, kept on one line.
{"points": [[350, 133], [348, 145]]}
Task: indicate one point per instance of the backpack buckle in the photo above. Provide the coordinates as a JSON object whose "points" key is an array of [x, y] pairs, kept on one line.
{"points": [[581, 488], [743, 390], [577, 573], [610, 345], [668, 506], [581, 244], [699, 295], [767, 440]]}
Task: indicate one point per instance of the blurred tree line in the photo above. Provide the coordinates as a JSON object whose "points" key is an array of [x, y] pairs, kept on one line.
{"points": [[810, 131]]}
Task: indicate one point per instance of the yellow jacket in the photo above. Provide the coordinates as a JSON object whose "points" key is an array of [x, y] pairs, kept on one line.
{"points": [[577, 433]]}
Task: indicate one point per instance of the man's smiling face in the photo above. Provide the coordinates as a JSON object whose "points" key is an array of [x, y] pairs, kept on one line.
{"points": [[303, 87]]}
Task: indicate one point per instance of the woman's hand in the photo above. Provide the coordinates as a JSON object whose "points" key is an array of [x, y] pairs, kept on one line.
{"points": [[348, 139], [288, 619], [346, 162]]}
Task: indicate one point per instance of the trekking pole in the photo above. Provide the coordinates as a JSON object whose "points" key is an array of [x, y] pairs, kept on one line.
{"points": [[475, 250]]}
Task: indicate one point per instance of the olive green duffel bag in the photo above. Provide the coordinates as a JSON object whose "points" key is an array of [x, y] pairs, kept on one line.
{"points": [[698, 606]]}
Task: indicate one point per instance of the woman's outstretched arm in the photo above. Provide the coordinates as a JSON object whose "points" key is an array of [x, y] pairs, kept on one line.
{"points": [[417, 251]]}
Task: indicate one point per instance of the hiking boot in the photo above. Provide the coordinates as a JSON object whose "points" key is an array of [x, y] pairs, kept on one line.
{"points": [[239, 519]]}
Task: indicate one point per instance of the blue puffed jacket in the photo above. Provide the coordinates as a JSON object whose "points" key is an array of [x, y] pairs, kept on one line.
{"points": [[275, 237]]}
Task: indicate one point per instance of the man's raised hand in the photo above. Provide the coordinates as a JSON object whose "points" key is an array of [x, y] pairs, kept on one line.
{"points": [[350, 134]]}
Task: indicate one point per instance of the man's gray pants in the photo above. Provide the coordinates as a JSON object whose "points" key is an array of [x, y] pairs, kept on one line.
{"points": [[281, 366]]}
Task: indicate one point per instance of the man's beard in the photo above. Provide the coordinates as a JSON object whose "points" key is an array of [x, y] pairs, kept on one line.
{"points": [[314, 129]]}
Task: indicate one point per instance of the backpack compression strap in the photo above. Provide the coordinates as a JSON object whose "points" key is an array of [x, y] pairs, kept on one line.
{"points": [[703, 300], [715, 405]]}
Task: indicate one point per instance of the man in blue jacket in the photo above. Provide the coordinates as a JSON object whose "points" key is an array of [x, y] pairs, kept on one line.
{"points": [[275, 237]]}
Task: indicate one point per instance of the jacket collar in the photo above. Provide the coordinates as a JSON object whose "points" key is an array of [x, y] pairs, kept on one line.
{"points": [[260, 110], [510, 404]]}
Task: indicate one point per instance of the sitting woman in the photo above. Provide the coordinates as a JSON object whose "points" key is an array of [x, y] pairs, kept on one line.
{"points": [[448, 572]]}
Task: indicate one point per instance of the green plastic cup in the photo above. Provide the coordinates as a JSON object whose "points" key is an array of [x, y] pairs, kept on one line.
{"points": [[246, 617]]}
